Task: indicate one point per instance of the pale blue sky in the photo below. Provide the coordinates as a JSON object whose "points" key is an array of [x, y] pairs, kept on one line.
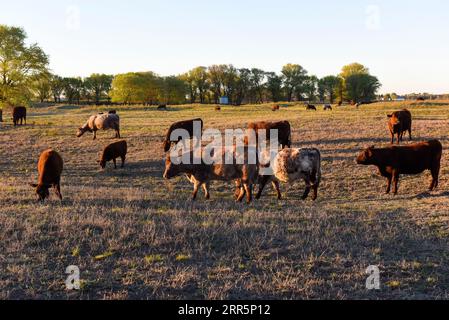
{"points": [[404, 43]]}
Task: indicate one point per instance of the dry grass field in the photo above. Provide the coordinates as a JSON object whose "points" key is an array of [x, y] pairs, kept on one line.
{"points": [[135, 236]]}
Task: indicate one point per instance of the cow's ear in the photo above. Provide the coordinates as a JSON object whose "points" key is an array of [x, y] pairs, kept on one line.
{"points": [[390, 116], [33, 185]]}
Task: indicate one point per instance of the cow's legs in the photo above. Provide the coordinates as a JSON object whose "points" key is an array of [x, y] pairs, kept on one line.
{"points": [[196, 188], [249, 192], [389, 179], [392, 137], [115, 163], [435, 177], [307, 191], [95, 135], [123, 161], [395, 182], [399, 138], [206, 190], [58, 190], [410, 134], [278, 189], [262, 183], [238, 189]]}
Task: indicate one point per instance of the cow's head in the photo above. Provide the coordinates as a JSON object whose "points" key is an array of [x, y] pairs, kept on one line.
{"points": [[41, 191], [366, 156], [171, 169], [394, 120], [102, 163], [81, 131]]}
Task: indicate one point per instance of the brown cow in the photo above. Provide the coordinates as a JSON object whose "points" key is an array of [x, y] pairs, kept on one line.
{"points": [[276, 108], [19, 114], [410, 160], [50, 169], [200, 175], [187, 125], [400, 122], [283, 127], [112, 152]]}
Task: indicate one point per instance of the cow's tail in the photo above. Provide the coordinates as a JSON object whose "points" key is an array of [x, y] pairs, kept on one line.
{"points": [[318, 172]]}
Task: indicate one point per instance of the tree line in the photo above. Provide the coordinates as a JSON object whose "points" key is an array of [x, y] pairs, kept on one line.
{"points": [[25, 76]]}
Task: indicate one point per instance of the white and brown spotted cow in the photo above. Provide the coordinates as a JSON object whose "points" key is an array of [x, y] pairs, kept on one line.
{"points": [[291, 165]]}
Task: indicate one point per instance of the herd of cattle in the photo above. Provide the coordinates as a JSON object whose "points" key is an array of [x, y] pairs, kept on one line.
{"points": [[289, 166]]}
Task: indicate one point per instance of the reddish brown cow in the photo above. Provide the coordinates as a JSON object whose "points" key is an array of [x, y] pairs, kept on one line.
{"points": [[112, 152], [19, 114], [50, 169], [283, 127], [411, 160], [400, 122], [185, 125]]}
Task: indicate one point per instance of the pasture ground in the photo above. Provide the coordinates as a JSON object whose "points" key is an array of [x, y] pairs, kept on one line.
{"points": [[135, 236]]}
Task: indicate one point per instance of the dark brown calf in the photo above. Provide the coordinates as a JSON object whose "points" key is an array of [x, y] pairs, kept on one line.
{"points": [[112, 152], [50, 168], [311, 107], [413, 159], [185, 125], [19, 114], [400, 122]]}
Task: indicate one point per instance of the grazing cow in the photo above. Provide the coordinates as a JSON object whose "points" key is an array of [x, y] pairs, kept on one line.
{"points": [[50, 169], [283, 127], [162, 107], [19, 114], [185, 125], [276, 108], [218, 108], [410, 160], [101, 122], [310, 107], [200, 175], [400, 122], [291, 165], [327, 107], [112, 152]]}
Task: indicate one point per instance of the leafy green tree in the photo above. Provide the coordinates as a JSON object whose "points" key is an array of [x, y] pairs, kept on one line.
{"points": [[41, 87], [310, 87], [173, 91], [257, 80], [73, 89], [328, 86], [56, 87], [293, 77], [243, 85], [98, 86], [362, 87], [20, 65], [274, 86]]}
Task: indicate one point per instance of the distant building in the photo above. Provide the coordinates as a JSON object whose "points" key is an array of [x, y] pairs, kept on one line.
{"points": [[224, 100]]}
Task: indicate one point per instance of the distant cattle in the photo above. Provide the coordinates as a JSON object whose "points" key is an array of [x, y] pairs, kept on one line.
{"points": [[50, 168], [112, 152], [409, 160], [291, 165], [400, 122], [19, 114], [276, 108], [187, 125], [311, 107], [283, 129], [217, 108], [162, 107], [327, 107], [200, 175], [101, 122], [340, 103]]}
